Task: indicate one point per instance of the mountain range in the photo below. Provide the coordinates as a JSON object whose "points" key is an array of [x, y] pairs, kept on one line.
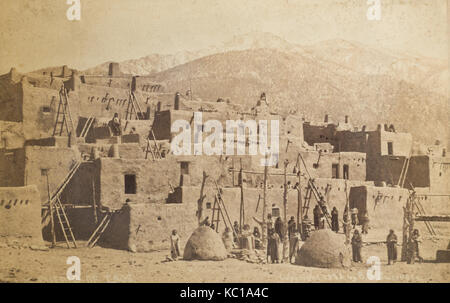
{"points": [[337, 77]]}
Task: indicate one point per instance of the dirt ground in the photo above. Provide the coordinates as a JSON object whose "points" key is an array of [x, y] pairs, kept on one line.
{"points": [[109, 265]]}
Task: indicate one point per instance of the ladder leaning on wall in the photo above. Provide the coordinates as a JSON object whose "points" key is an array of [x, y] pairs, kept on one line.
{"points": [[63, 116]]}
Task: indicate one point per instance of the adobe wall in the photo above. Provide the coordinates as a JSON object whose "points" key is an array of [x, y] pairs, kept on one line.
{"points": [[152, 180], [440, 174], [12, 167], [351, 141], [58, 160], [20, 214], [378, 143], [383, 204], [11, 134], [38, 123], [385, 169], [10, 99], [319, 133], [419, 171], [151, 224]]}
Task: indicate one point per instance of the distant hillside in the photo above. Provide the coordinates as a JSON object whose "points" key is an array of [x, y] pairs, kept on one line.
{"points": [[293, 81], [337, 77]]}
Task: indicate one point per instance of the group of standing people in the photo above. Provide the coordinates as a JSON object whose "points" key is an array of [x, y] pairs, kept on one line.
{"points": [[283, 240]]}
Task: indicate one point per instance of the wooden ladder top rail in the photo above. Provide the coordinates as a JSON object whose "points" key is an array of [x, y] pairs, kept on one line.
{"points": [[149, 149], [404, 171], [63, 115], [415, 202], [66, 97], [65, 182], [64, 223], [135, 100], [157, 153], [223, 208], [315, 191], [98, 232], [87, 126]]}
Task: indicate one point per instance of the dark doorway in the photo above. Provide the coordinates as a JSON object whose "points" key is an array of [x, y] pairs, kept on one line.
{"points": [[184, 168], [390, 146], [335, 171], [345, 171], [130, 184]]}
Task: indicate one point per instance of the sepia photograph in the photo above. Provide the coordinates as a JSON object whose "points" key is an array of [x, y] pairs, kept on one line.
{"points": [[211, 141]]}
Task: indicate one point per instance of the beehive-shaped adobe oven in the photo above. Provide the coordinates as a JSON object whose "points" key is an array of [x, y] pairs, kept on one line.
{"points": [[325, 249], [205, 244]]}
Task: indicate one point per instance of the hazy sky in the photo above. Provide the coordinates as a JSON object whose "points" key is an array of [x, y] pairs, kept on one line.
{"points": [[36, 33]]}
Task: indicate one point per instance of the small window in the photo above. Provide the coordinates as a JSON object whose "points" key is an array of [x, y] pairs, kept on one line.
{"points": [[335, 171], [44, 171], [130, 184], [208, 205], [345, 171], [184, 166], [46, 109], [390, 146]]}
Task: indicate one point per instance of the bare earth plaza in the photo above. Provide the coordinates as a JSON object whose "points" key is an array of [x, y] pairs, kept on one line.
{"points": [[256, 160]]}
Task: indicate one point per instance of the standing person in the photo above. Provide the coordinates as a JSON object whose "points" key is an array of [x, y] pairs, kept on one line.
{"points": [[391, 243], [174, 245], [279, 227], [237, 231], [292, 227], [335, 220], [355, 220], [227, 238], [316, 213], [322, 221], [413, 247], [275, 247], [294, 240], [365, 223], [356, 246], [345, 221]]}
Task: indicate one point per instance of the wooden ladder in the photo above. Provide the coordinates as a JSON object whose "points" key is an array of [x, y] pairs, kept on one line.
{"points": [[98, 232], [421, 210], [64, 223], [308, 195], [316, 193], [133, 107], [216, 212], [86, 127], [156, 154], [222, 210], [63, 116]]}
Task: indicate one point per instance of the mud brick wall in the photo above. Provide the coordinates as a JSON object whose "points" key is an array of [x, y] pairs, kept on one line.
{"points": [[152, 180], [39, 109], [57, 160], [10, 99], [151, 224], [384, 205], [20, 216]]}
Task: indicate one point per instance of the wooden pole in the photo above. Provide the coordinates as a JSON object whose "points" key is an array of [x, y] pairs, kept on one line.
{"points": [[242, 212], [264, 225], [299, 204], [286, 162], [94, 204], [200, 200], [50, 205]]}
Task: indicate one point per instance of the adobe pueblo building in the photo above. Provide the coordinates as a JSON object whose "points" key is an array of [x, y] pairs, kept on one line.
{"points": [[122, 187]]}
